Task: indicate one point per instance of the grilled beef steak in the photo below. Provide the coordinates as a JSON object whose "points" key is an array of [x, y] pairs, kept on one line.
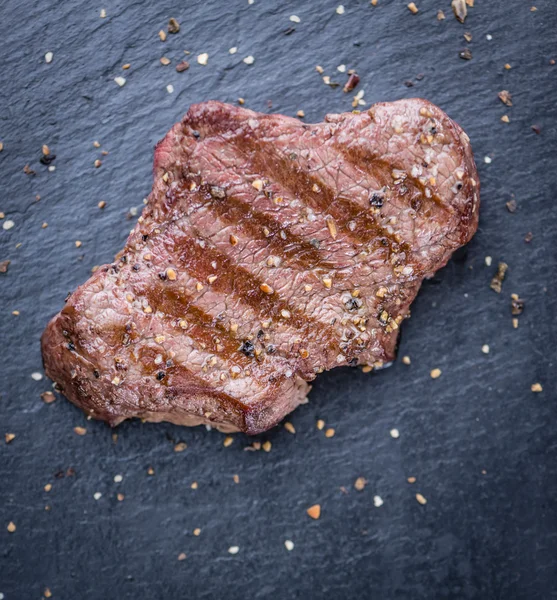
{"points": [[269, 251]]}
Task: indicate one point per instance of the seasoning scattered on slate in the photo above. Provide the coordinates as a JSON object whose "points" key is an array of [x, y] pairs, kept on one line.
{"points": [[165, 61], [121, 81], [80, 430], [459, 9], [421, 499], [412, 8], [295, 19], [485, 349], [202, 59], [536, 387], [228, 440], [162, 35], [511, 205], [505, 97], [118, 478], [517, 304], [395, 433], [360, 484], [197, 532], [180, 447], [48, 57], [377, 501], [48, 487], [440, 15], [267, 446], [234, 549], [249, 60], [528, 237], [465, 54], [289, 545], [48, 397], [9, 437], [330, 432], [173, 26], [435, 373], [406, 360], [103, 13], [352, 82], [182, 556], [4, 266], [411, 480], [236, 478], [47, 593], [505, 119], [11, 527], [289, 427], [340, 9], [314, 511], [170, 88], [497, 281], [182, 66]]}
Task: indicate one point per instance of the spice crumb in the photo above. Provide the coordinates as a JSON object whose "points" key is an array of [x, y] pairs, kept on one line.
{"points": [[11, 527], [289, 427], [197, 532], [9, 437], [228, 440], [320, 424], [194, 485], [411, 480], [497, 281], [162, 35], [360, 483], [330, 432], [435, 373], [48, 487], [80, 430], [182, 556], [173, 26], [421, 499], [314, 511], [505, 119], [180, 447], [236, 478], [536, 387], [406, 360], [267, 446], [412, 8]]}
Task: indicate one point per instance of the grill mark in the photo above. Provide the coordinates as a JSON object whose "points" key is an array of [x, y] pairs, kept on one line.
{"points": [[236, 280], [233, 211], [361, 159], [265, 160], [202, 327]]}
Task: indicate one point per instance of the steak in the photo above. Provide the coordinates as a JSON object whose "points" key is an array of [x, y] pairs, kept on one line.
{"points": [[269, 251]]}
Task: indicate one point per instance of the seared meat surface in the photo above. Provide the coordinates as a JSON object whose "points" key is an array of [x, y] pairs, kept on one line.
{"points": [[269, 251]]}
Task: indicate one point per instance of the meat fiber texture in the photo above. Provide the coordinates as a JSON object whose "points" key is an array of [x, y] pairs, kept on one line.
{"points": [[269, 251]]}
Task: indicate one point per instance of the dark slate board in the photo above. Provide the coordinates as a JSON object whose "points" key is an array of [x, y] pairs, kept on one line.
{"points": [[482, 446]]}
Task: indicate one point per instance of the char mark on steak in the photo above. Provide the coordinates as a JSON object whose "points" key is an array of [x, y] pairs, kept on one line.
{"points": [[269, 251]]}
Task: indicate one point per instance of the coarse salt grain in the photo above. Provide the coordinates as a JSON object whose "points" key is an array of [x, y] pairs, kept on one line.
{"points": [[97, 495], [488, 261], [341, 68], [377, 501], [489, 37], [48, 57], [170, 88], [8, 224], [121, 81], [487, 160], [485, 349], [395, 433], [103, 13], [202, 59], [233, 550], [233, 50], [295, 19], [36, 376], [249, 60], [118, 478], [340, 9], [289, 545], [52, 168]]}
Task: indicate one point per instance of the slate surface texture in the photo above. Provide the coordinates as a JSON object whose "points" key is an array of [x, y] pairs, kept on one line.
{"points": [[481, 445]]}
